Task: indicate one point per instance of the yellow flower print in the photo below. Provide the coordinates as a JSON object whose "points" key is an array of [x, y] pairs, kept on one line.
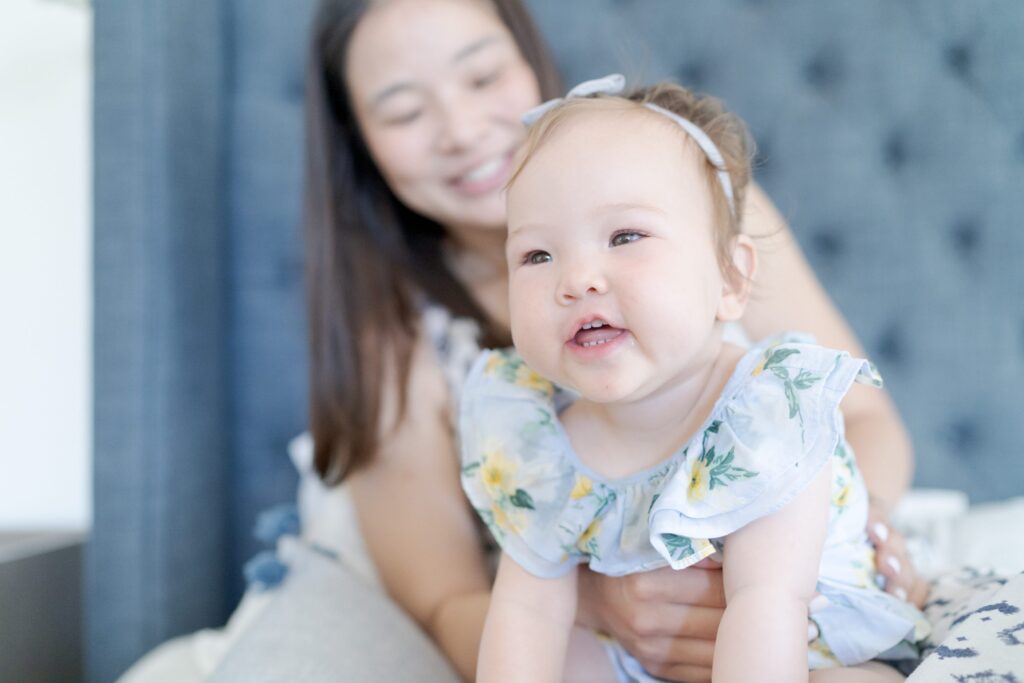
{"points": [[507, 520], [492, 365], [760, 366], [842, 481], [498, 472], [842, 497], [583, 487], [584, 540], [698, 482], [527, 378]]}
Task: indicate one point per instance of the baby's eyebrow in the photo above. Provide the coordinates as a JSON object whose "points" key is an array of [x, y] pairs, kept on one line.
{"points": [[520, 229], [619, 207]]}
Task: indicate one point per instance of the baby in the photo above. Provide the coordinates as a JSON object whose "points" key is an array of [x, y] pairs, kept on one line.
{"points": [[627, 435]]}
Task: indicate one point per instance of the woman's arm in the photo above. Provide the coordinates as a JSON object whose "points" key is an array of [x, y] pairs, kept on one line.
{"points": [[418, 528], [528, 624], [788, 296], [771, 570]]}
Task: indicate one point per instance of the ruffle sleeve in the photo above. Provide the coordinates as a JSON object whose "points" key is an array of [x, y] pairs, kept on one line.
{"points": [[514, 469], [764, 445]]}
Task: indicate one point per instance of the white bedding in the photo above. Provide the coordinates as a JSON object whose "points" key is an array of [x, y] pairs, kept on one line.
{"points": [[944, 532]]}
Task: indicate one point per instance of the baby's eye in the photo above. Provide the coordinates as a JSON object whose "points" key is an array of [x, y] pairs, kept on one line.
{"points": [[625, 237], [537, 257]]}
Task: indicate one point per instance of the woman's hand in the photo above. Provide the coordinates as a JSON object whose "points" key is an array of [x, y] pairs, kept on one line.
{"points": [[667, 619], [893, 561]]}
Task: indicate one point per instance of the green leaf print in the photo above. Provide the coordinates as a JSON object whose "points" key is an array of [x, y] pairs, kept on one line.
{"points": [[653, 501], [678, 546], [805, 380], [521, 499], [470, 468], [724, 470], [779, 355], [794, 402]]}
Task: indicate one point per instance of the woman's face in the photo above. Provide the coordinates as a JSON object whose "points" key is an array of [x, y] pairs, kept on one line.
{"points": [[438, 87]]}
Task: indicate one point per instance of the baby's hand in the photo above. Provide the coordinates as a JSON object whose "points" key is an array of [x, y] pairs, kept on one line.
{"points": [[893, 561]]}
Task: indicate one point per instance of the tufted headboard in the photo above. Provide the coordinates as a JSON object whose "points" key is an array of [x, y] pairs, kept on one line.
{"points": [[891, 136]]}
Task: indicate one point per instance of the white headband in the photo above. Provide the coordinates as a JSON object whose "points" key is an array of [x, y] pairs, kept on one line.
{"points": [[613, 84]]}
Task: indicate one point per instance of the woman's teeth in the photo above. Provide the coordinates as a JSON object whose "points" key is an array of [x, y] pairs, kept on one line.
{"points": [[484, 170]]}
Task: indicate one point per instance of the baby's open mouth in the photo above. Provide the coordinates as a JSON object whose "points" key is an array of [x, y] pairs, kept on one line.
{"points": [[595, 333]]}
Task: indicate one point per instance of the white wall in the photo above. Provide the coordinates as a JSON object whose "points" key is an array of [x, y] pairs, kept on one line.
{"points": [[45, 264]]}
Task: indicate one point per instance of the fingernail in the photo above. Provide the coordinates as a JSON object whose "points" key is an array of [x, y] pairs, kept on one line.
{"points": [[901, 594], [812, 631], [818, 602], [893, 563], [882, 531]]}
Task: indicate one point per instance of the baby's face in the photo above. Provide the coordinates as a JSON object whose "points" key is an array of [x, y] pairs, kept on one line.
{"points": [[615, 289]]}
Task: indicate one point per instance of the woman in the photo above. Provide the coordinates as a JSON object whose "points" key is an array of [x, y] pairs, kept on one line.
{"points": [[412, 118], [413, 112]]}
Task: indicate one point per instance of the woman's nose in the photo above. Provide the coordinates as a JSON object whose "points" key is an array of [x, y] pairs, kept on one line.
{"points": [[462, 122], [579, 281]]}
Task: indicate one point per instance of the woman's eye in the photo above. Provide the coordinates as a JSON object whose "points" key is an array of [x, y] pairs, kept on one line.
{"points": [[402, 119], [486, 79], [535, 258], [625, 237]]}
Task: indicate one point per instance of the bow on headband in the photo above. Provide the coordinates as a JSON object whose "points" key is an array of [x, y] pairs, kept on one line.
{"points": [[613, 84]]}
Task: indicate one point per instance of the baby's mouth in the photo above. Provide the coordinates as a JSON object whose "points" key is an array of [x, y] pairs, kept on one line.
{"points": [[596, 333]]}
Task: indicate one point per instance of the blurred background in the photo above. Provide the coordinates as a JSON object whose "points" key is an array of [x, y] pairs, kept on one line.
{"points": [[153, 360], [45, 347]]}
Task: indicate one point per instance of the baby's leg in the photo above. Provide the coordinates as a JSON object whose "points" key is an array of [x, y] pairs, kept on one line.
{"points": [[587, 660], [870, 672]]}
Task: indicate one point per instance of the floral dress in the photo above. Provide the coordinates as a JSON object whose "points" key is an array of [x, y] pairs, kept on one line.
{"points": [[776, 424]]}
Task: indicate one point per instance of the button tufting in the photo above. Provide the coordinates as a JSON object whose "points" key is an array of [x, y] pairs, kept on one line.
{"points": [[762, 154], [824, 70], [966, 236], [894, 151], [963, 435], [890, 346], [289, 271], [828, 242], [295, 89], [958, 59], [693, 75]]}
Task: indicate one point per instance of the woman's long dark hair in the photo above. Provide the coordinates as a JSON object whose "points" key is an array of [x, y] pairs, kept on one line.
{"points": [[368, 255]]}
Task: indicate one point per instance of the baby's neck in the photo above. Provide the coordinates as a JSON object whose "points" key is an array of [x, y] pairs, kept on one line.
{"points": [[620, 439]]}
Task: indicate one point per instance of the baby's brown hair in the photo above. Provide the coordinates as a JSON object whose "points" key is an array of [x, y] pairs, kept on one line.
{"points": [[725, 129]]}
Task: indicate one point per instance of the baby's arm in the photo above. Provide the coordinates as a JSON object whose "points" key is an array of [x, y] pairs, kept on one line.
{"points": [[770, 572], [526, 634]]}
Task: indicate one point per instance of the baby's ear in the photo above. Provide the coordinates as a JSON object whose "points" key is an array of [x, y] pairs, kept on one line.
{"points": [[738, 279]]}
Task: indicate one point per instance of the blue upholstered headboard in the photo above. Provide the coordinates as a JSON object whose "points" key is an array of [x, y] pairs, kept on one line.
{"points": [[891, 136]]}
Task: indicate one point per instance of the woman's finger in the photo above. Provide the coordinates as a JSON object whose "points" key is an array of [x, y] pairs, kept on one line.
{"points": [[693, 586], [665, 620], [686, 673], [898, 580], [660, 654]]}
